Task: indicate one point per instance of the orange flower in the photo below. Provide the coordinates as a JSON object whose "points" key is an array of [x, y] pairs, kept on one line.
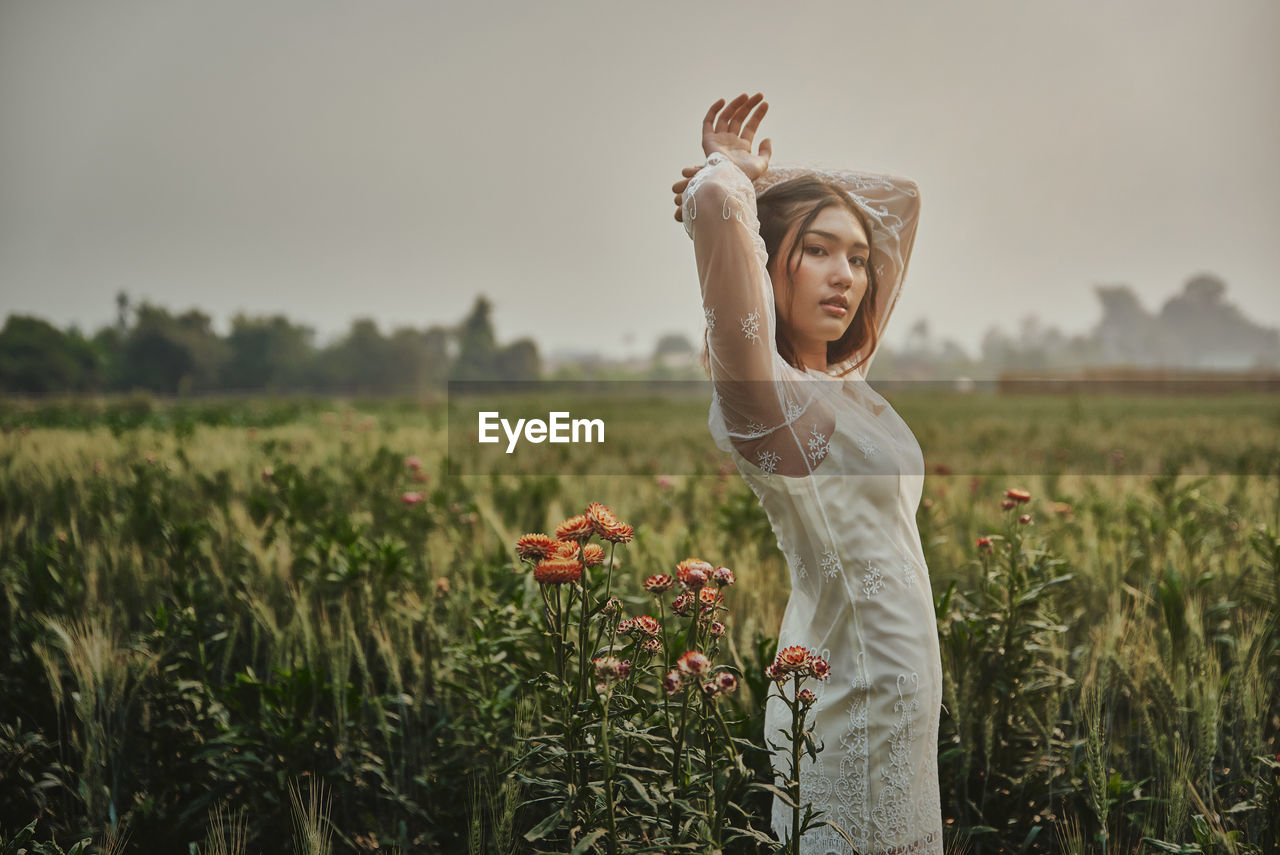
{"points": [[605, 524], [722, 576], [819, 668], [593, 555], [1017, 495], [1007, 503], [534, 546], [683, 605], [574, 528], [557, 571], [986, 544], [710, 597]]}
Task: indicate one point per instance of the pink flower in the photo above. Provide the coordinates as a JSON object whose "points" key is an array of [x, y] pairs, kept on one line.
{"points": [[413, 463], [673, 682], [442, 586], [685, 567], [664, 482], [412, 498], [683, 605], [806, 697], [647, 625], [793, 658], [1025, 519], [819, 669], [986, 544], [722, 576], [612, 668], [694, 663], [726, 682], [1006, 504], [716, 629], [651, 645], [625, 627]]}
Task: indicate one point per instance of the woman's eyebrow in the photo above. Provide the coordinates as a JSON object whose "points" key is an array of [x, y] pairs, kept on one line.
{"points": [[829, 236]]}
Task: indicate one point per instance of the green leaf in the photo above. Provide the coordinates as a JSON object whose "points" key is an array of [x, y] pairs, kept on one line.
{"points": [[585, 843], [548, 825]]}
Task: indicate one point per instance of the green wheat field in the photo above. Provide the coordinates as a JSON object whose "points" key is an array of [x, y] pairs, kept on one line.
{"points": [[301, 625]]}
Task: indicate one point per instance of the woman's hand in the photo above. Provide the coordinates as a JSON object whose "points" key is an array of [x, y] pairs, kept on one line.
{"points": [[731, 134]]}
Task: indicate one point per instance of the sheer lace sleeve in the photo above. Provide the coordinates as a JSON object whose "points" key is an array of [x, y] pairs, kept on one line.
{"points": [[760, 407], [892, 205]]}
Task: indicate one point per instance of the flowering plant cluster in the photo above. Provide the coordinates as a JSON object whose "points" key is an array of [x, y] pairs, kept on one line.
{"points": [[640, 692]]}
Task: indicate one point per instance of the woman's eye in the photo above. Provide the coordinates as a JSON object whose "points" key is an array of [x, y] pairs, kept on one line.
{"points": [[858, 261], [815, 250]]}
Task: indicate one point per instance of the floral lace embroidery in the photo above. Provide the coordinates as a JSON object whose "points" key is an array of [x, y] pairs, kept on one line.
{"points": [[894, 814], [793, 411], [866, 446], [831, 565], [872, 580], [710, 314], [819, 445], [768, 461], [851, 786], [751, 326], [798, 564]]}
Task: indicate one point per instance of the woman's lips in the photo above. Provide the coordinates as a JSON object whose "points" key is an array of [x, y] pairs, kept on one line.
{"points": [[834, 309]]}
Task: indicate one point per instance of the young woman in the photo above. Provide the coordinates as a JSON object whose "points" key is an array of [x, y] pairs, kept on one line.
{"points": [[800, 270]]}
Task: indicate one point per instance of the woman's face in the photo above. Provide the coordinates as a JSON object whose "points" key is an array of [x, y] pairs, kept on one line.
{"points": [[828, 285]]}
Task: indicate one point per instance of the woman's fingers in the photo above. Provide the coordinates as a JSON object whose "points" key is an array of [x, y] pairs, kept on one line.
{"points": [[722, 124], [753, 124], [744, 110]]}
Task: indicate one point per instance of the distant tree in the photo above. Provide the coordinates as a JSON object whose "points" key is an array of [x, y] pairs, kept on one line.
{"points": [[476, 345], [266, 353], [37, 358], [672, 344], [171, 355]]}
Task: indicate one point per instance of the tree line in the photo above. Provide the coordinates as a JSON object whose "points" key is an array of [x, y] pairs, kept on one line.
{"points": [[151, 349]]}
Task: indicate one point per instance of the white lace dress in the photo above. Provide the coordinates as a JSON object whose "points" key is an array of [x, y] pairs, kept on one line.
{"points": [[840, 476]]}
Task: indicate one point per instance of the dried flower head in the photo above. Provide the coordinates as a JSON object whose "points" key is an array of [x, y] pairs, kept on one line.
{"points": [[773, 672], [673, 682], [726, 682], [710, 597], [807, 697], [442, 586], [574, 528], [986, 544], [683, 605], [716, 629], [612, 607], [722, 576], [659, 583], [557, 571], [1017, 494], [647, 625], [694, 663], [651, 645], [1006, 504], [1025, 519], [819, 668], [412, 498], [612, 668], [593, 555], [605, 524], [688, 565], [793, 658], [625, 627], [413, 463], [532, 547]]}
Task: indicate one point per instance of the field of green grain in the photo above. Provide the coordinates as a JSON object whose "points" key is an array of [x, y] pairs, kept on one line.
{"points": [[257, 626]]}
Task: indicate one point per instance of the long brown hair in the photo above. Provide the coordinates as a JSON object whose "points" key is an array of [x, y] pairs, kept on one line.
{"points": [[801, 200]]}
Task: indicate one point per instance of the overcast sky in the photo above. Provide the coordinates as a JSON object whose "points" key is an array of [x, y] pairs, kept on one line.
{"points": [[392, 160]]}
